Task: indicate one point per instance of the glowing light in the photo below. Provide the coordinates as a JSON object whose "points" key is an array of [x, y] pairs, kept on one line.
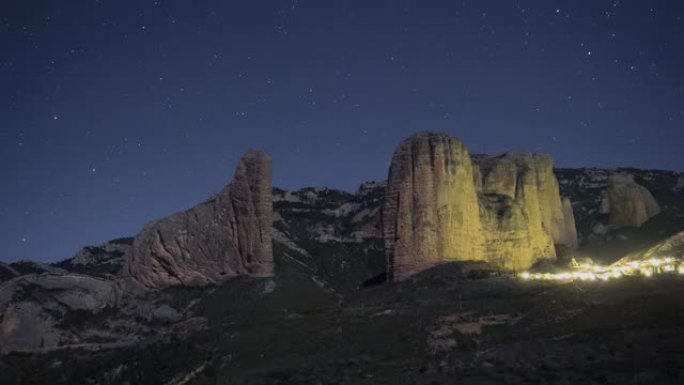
{"points": [[589, 271]]}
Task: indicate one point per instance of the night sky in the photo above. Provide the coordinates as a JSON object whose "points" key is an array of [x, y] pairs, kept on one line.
{"points": [[117, 112]]}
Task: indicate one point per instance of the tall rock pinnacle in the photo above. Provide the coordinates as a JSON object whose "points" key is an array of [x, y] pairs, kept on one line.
{"points": [[431, 212], [226, 236]]}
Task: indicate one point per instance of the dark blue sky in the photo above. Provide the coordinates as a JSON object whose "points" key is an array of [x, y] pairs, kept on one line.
{"points": [[115, 112]]}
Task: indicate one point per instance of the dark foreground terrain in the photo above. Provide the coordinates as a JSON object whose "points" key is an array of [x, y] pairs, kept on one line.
{"points": [[448, 325]]}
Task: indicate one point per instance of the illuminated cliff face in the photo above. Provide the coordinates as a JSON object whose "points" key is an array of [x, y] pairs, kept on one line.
{"points": [[442, 205], [528, 217], [431, 213]]}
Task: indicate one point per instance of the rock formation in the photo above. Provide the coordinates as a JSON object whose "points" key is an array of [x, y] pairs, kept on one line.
{"points": [[629, 203], [226, 236], [442, 205], [431, 212], [529, 180], [32, 307], [105, 260]]}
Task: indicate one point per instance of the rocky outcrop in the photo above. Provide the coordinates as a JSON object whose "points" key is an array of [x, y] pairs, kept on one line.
{"points": [[442, 205], [530, 180], [431, 213], [106, 260], [33, 309], [226, 236], [628, 203], [40, 313]]}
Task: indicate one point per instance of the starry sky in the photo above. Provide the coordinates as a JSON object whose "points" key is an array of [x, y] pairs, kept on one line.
{"points": [[117, 112]]}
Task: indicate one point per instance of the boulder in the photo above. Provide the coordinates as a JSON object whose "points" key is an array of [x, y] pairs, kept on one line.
{"points": [[628, 203], [226, 236]]}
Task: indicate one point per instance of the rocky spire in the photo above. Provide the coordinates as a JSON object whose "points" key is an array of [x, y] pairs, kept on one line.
{"points": [[431, 212], [226, 236]]}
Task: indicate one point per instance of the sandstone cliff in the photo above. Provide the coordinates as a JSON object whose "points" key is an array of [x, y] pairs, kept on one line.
{"points": [[529, 180], [431, 211], [226, 236], [443, 205], [629, 203]]}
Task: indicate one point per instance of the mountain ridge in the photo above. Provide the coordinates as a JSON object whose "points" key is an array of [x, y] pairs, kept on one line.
{"points": [[331, 280]]}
